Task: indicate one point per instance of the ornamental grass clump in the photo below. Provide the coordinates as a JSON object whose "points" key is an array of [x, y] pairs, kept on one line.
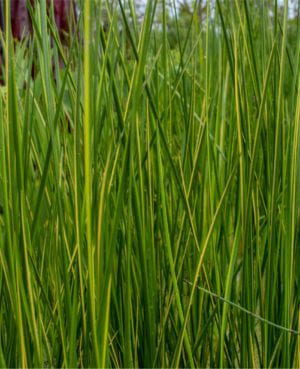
{"points": [[149, 187]]}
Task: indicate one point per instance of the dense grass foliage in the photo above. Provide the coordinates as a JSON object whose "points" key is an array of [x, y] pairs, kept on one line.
{"points": [[149, 188]]}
